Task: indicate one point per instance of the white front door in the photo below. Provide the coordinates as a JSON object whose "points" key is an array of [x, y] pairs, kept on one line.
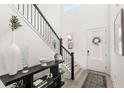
{"points": [[96, 55]]}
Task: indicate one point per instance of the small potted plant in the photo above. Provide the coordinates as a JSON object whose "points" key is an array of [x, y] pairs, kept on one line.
{"points": [[14, 23], [62, 71], [19, 84]]}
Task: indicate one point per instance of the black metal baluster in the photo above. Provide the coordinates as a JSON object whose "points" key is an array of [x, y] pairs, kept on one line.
{"points": [[72, 66], [70, 59], [61, 42]]}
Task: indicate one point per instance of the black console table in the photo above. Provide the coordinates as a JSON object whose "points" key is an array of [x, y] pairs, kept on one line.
{"points": [[28, 77]]}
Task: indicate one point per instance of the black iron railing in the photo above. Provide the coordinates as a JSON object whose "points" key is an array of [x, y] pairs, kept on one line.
{"points": [[35, 17]]}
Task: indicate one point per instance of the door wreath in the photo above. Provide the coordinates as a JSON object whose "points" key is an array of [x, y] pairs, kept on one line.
{"points": [[96, 40]]}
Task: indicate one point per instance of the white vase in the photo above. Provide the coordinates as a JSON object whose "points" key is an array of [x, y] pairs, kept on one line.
{"points": [[12, 57]]}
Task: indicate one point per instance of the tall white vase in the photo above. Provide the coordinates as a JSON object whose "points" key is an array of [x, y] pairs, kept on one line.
{"points": [[12, 57]]}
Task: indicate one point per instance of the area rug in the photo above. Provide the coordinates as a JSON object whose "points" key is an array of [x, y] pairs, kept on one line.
{"points": [[94, 81]]}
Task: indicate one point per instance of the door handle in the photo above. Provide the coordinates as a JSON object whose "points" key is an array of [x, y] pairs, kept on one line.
{"points": [[88, 53]]}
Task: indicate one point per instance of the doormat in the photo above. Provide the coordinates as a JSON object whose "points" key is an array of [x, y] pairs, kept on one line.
{"points": [[94, 81]]}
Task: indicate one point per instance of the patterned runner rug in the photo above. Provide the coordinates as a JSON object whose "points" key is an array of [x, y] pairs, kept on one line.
{"points": [[94, 81]]}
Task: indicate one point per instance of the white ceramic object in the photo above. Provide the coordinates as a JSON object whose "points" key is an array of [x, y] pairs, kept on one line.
{"points": [[12, 57], [1, 84], [57, 57], [43, 61]]}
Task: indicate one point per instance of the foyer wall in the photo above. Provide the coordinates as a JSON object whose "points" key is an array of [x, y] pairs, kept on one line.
{"points": [[25, 38], [117, 62], [77, 21], [52, 12]]}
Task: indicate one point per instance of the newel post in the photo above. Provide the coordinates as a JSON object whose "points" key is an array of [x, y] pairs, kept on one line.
{"points": [[61, 46], [72, 65]]}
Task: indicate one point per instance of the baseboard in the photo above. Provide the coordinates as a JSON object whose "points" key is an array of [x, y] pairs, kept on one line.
{"points": [[113, 81]]}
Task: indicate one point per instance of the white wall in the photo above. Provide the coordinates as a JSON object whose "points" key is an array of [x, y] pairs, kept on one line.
{"points": [[25, 38], [117, 62], [78, 20], [52, 13]]}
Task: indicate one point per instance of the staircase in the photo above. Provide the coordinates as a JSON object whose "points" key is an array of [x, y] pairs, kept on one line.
{"points": [[33, 16]]}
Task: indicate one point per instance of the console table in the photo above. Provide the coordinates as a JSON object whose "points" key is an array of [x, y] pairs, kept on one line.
{"points": [[28, 77]]}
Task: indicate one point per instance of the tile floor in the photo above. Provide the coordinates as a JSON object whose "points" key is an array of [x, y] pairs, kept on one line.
{"points": [[81, 77]]}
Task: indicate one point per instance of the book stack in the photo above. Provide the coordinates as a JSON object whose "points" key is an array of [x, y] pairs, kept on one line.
{"points": [[39, 83]]}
